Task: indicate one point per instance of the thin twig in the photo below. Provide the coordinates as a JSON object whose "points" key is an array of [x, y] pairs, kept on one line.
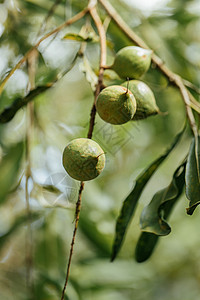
{"points": [[77, 215], [191, 86], [50, 13], [29, 53], [29, 131], [172, 77], [94, 14], [102, 37]]}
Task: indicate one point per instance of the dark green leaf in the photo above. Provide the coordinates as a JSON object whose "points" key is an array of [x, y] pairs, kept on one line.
{"points": [[160, 211], [145, 246], [10, 111], [153, 217], [129, 204], [192, 178], [9, 169]]}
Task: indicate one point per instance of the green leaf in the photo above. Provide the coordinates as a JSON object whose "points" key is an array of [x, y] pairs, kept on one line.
{"points": [[9, 112], [130, 203], [192, 178], [145, 246], [9, 168], [91, 77], [18, 222], [153, 217], [80, 38]]}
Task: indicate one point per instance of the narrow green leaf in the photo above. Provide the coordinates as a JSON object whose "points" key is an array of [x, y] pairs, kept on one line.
{"points": [[74, 37], [91, 77], [192, 178], [156, 224], [79, 38], [9, 168], [145, 246], [153, 217], [130, 203], [18, 222], [9, 112]]}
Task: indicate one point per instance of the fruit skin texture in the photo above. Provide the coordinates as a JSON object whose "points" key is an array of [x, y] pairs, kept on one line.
{"points": [[146, 103], [132, 62], [116, 105], [83, 159]]}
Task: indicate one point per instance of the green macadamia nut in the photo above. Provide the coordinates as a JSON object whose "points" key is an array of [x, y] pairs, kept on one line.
{"points": [[116, 105], [146, 103], [132, 62], [83, 159]]}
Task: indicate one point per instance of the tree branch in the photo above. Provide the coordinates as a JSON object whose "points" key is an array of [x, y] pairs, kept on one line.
{"points": [[172, 77], [77, 215], [74, 19], [94, 14]]}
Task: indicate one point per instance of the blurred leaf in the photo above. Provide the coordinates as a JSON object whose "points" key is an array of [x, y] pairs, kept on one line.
{"points": [[129, 204], [159, 214], [89, 73], [9, 112], [145, 246], [9, 169], [192, 178], [18, 222], [79, 38], [97, 239], [51, 188], [153, 217]]}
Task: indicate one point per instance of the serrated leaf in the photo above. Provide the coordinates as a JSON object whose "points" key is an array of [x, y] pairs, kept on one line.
{"points": [[9, 169], [192, 178], [130, 203], [161, 212], [153, 217]]}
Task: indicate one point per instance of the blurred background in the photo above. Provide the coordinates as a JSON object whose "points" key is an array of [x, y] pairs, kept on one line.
{"points": [[171, 29]]}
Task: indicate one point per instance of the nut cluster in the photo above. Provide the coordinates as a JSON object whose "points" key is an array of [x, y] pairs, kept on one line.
{"points": [[84, 159]]}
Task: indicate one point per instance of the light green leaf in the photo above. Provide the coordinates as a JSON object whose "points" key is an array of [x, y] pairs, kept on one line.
{"points": [[17, 223], [9, 169], [91, 77]]}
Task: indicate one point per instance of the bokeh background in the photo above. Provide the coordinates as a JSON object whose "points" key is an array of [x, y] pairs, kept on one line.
{"points": [[171, 29]]}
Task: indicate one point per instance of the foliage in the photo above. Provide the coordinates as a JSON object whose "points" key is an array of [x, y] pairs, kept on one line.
{"points": [[66, 75]]}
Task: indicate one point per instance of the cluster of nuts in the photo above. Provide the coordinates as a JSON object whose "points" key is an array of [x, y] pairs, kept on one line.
{"points": [[84, 159]]}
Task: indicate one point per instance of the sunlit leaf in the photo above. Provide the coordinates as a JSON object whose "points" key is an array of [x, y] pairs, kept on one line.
{"points": [[89, 73], [130, 203], [192, 178], [79, 38], [9, 169], [153, 217]]}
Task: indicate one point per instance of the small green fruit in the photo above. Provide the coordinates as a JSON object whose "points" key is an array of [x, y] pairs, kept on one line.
{"points": [[146, 103], [116, 105], [132, 62], [83, 159]]}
